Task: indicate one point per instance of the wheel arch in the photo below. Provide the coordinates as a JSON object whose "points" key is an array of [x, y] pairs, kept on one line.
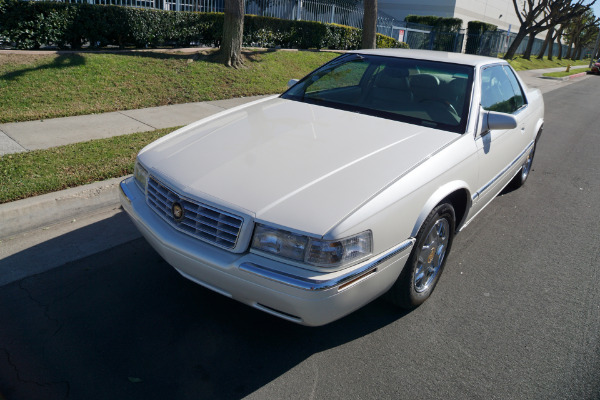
{"points": [[455, 193], [539, 127]]}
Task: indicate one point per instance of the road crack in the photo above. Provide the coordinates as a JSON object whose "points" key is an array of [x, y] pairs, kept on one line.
{"points": [[44, 307], [20, 379]]}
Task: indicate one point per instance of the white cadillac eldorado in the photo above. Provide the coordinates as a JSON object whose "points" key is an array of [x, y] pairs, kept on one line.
{"points": [[351, 184]]}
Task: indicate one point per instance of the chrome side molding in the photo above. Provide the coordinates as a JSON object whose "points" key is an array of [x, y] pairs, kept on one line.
{"points": [[505, 170]]}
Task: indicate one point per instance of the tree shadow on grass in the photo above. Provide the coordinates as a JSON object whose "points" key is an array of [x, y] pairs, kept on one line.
{"points": [[62, 61], [70, 59]]}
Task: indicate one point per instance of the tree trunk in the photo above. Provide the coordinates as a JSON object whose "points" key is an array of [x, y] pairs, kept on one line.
{"points": [[574, 44], [527, 54], [575, 49], [559, 42], [579, 51], [547, 41], [233, 31], [569, 49], [369, 32], [512, 49]]}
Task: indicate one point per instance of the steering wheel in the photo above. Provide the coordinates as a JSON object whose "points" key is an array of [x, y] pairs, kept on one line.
{"points": [[448, 106]]}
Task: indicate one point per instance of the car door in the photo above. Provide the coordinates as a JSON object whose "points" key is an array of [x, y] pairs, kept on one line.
{"points": [[500, 151]]}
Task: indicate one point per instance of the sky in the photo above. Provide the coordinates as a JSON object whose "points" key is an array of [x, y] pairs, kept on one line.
{"points": [[596, 8]]}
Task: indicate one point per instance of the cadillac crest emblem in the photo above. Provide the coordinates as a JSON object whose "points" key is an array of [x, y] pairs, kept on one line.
{"points": [[177, 211]]}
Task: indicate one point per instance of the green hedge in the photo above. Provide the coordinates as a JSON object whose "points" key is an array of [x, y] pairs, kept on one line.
{"points": [[475, 31], [439, 24], [31, 25], [444, 33]]}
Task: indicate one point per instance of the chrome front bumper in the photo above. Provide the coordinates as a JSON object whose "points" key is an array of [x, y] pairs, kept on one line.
{"points": [[291, 293]]}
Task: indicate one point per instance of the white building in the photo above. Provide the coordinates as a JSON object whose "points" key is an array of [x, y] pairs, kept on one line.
{"points": [[497, 12]]}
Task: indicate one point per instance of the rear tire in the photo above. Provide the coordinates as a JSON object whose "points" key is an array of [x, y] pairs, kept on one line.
{"points": [[526, 168], [523, 174], [427, 259]]}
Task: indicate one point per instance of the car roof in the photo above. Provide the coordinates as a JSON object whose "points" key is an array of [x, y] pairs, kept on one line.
{"points": [[441, 56]]}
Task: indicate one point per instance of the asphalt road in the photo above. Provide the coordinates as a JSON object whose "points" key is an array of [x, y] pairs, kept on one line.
{"points": [[516, 314]]}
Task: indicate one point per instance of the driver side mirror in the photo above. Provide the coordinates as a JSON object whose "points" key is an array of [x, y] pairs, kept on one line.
{"points": [[491, 120]]}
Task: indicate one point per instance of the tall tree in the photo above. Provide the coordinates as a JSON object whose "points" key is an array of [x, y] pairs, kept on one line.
{"points": [[554, 8], [586, 37], [579, 32], [554, 34], [532, 10], [233, 33], [369, 32], [539, 15], [557, 20]]}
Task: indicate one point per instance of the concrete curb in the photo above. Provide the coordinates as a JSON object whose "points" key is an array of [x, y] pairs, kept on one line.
{"points": [[36, 212], [566, 78], [577, 75]]}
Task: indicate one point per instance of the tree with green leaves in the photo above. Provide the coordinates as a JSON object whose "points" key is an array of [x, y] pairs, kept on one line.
{"points": [[581, 32], [537, 16]]}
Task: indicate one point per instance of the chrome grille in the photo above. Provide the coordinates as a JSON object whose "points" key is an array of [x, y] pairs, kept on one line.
{"points": [[199, 220]]}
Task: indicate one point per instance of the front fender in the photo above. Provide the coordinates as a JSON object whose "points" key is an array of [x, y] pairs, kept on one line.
{"points": [[440, 194]]}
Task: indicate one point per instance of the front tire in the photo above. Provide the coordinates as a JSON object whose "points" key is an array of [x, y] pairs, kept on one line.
{"points": [[427, 259]]}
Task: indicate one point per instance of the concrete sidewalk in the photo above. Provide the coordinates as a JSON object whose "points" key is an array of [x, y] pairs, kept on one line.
{"points": [[30, 214]]}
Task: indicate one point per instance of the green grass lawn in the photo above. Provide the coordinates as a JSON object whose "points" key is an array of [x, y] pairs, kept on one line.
{"points": [[48, 86], [42, 171], [521, 64], [561, 74]]}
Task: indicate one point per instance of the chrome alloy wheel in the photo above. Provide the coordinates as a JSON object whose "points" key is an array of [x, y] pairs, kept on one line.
{"points": [[432, 255], [527, 165]]}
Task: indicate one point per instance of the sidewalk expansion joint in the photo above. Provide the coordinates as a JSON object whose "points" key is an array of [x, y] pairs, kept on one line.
{"points": [[5, 136], [137, 120]]}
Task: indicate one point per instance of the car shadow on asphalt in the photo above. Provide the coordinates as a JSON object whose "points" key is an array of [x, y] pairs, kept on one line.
{"points": [[124, 324]]}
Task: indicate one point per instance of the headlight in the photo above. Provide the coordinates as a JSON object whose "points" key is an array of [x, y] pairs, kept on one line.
{"points": [[279, 242], [141, 175], [339, 252], [317, 252]]}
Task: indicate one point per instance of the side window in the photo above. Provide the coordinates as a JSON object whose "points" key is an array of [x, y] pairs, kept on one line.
{"points": [[519, 97], [497, 93], [345, 75]]}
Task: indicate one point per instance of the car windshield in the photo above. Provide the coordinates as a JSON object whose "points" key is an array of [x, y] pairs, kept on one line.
{"points": [[428, 93]]}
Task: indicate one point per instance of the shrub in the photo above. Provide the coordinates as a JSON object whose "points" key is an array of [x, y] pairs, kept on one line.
{"points": [[439, 24], [475, 31], [444, 34]]}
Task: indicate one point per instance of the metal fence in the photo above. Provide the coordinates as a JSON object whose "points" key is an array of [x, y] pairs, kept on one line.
{"points": [[496, 43], [491, 44], [419, 36]]}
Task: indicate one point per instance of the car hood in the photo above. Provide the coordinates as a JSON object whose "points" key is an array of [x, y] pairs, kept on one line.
{"points": [[289, 163]]}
